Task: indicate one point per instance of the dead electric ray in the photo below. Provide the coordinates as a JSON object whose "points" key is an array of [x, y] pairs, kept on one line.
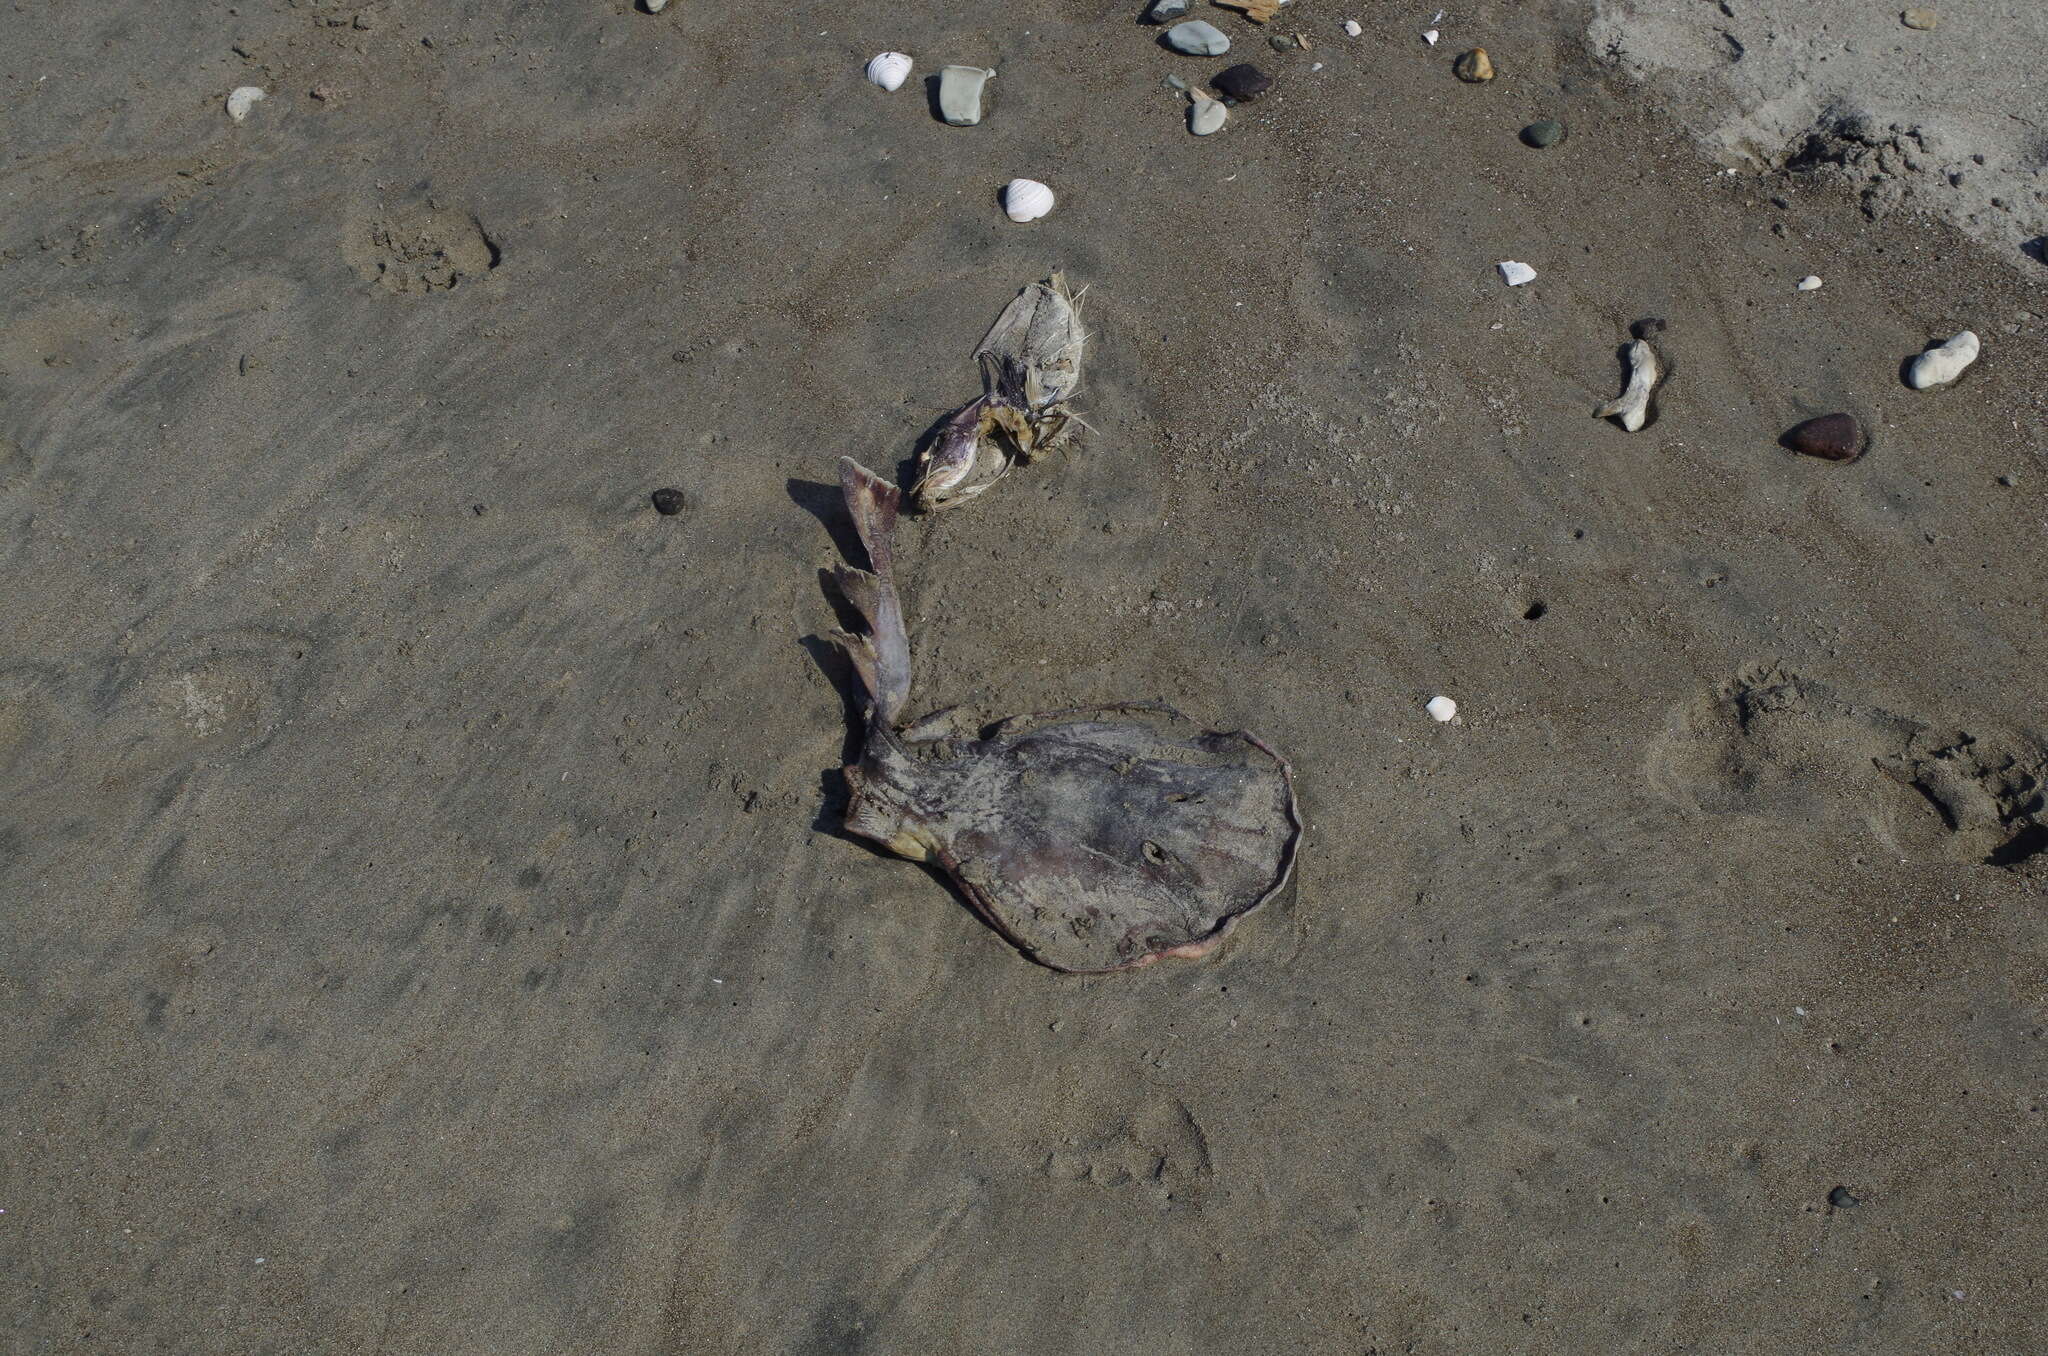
{"points": [[1093, 839], [1030, 362]]}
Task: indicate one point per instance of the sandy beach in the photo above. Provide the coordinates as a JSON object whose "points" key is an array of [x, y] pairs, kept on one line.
{"points": [[427, 921]]}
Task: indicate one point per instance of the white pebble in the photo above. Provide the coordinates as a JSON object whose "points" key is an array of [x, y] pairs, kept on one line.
{"points": [[1430, 36], [1351, 26], [1810, 283], [1943, 362], [1026, 199], [654, 6], [242, 100], [1441, 709], [1515, 274]]}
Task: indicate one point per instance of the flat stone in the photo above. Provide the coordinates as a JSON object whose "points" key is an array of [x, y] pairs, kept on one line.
{"points": [[1547, 132], [1244, 81], [1832, 437], [1175, 82], [960, 89], [1197, 37], [1922, 19], [1166, 11], [1206, 116]]}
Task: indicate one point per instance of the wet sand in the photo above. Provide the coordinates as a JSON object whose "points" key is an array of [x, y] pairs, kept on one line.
{"points": [[427, 925]]}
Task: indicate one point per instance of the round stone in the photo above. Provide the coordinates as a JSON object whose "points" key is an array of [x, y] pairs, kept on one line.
{"points": [[1922, 19], [1206, 116], [668, 502], [1474, 68], [1547, 132], [1832, 437], [1197, 37]]}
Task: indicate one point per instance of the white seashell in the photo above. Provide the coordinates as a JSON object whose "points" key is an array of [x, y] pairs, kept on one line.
{"points": [[1943, 363], [1430, 36], [1632, 406], [1515, 274], [889, 70], [1441, 709], [1026, 199], [1351, 26], [242, 100], [1810, 283]]}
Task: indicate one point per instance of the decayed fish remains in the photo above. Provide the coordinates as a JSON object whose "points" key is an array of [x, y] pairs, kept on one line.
{"points": [[1030, 364], [1092, 840]]}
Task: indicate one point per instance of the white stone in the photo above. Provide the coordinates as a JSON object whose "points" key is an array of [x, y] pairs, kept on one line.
{"points": [[1441, 709], [242, 100], [1351, 26], [1810, 283], [1943, 363], [1026, 199], [1430, 36], [654, 6], [1206, 116], [1515, 274], [1198, 37], [889, 70]]}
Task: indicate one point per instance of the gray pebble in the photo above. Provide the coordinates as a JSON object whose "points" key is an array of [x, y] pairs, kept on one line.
{"points": [[1547, 132], [1198, 38], [1280, 42], [960, 90], [1166, 11], [1206, 116], [1175, 82]]}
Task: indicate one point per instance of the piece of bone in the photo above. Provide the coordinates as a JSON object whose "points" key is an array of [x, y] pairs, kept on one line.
{"points": [[1632, 406], [242, 100], [1943, 363]]}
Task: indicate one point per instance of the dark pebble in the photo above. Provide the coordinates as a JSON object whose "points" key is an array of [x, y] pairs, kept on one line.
{"points": [[1842, 1200], [1646, 327], [1244, 81], [1547, 132], [1832, 437], [668, 503]]}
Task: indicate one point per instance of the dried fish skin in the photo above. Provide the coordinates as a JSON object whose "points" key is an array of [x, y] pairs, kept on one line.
{"points": [[1092, 840], [1031, 357], [964, 460]]}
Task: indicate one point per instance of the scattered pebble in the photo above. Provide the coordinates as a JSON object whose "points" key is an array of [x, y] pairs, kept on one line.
{"points": [[1545, 132], [1810, 283], [668, 502], [1441, 709], [1832, 437], [1279, 42], [1474, 67], [1026, 199], [1206, 116], [1943, 363], [654, 6], [1243, 81], [889, 70], [1648, 327], [1164, 11], [1351, 26], [242, 100], [960, 89], [1175, 82], [1842, 1200], [1197, 37], [1514, 274], [1922, 19], [1430, 35]]}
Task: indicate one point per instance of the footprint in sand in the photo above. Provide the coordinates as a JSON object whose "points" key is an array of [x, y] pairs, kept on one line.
{"points": [[1774, 744], [1159, 1149]]}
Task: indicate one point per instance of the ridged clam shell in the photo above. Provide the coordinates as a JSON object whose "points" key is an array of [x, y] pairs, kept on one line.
{"points": [[889, 70], [1026, 199]]}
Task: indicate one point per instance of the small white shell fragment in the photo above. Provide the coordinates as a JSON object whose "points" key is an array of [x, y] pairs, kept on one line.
{"points": [[1943, 363], [654, 6], [1810, 283], [1632, 406], [1026, 199], [889, 70], [1430, 35], [1352, 27], [1515, 273], [242, 100], [1441, 709]]}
